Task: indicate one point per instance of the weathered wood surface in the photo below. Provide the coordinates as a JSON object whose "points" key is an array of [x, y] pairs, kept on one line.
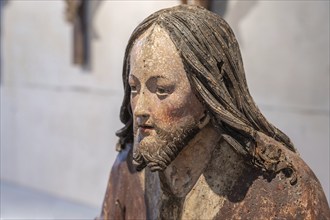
{"points": [[202, 147]]}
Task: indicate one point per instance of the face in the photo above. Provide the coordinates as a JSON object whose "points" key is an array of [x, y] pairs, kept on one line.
{"points": [[165, 110]]}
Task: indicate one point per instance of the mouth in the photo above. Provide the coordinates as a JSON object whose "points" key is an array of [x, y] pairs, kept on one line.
{"points": [[145, 128]]}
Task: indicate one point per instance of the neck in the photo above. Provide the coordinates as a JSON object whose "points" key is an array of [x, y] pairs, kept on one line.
{"points": [[181, 175]]}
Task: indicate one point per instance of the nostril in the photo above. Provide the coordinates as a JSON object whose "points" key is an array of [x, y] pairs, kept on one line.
{"points": [[141, 119]]}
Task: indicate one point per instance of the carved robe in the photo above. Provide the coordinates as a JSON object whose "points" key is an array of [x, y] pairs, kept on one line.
{"points": [[228, 188]]}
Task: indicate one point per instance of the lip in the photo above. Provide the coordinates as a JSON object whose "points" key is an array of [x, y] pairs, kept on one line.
{"points": [[145, 129]]}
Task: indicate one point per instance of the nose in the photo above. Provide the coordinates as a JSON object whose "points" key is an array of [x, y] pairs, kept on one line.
{"points": [[141, 111]]}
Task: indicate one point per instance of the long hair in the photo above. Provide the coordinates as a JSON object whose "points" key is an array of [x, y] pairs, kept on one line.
{"points": [[212, 60]]}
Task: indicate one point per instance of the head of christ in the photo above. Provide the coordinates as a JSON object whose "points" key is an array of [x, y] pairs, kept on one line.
{"points": [[182, 67]]}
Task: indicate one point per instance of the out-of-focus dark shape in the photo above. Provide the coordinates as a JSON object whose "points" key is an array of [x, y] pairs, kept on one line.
{"points": [[76, 14], [218, 6], [204, 3]]}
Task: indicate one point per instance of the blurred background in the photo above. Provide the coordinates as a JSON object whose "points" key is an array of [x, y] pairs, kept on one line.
{"points": [[58, 119]]}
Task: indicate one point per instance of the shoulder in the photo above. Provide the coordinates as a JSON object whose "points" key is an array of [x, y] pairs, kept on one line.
{"points": [[306, 195], [258, 194], [294, 186], [124, 184], [302, 199], [122, 162]]}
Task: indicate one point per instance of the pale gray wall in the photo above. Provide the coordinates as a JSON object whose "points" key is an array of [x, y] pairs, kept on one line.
{"points": [[58, 121]]}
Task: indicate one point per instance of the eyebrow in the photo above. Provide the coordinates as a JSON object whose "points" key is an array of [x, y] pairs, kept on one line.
{"points": [[152, 77], [158, 77]]}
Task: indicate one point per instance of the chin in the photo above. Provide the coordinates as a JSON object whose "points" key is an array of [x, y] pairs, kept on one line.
{"points": [[158, 151]]}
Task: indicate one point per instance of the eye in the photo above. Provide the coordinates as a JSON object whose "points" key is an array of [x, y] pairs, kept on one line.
{"points": [[162, 91], [134, 84], [133, 89]]}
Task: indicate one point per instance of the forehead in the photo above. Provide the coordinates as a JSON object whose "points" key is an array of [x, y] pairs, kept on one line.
{"points": [[154, 53]]}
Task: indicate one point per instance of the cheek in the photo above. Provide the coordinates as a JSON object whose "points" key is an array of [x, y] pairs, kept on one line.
{"points": [[176, 109], [176, 112], [171, 113]]}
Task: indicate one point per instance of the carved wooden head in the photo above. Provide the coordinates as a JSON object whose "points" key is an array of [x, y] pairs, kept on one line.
{"points": [[189, 44]]}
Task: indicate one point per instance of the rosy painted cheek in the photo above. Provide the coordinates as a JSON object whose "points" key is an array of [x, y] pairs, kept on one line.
{"points": [[169, 115], [181, 108], [176, 113]]}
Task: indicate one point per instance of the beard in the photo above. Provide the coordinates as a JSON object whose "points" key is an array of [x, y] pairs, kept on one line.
{"points": [[161, 151]]}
